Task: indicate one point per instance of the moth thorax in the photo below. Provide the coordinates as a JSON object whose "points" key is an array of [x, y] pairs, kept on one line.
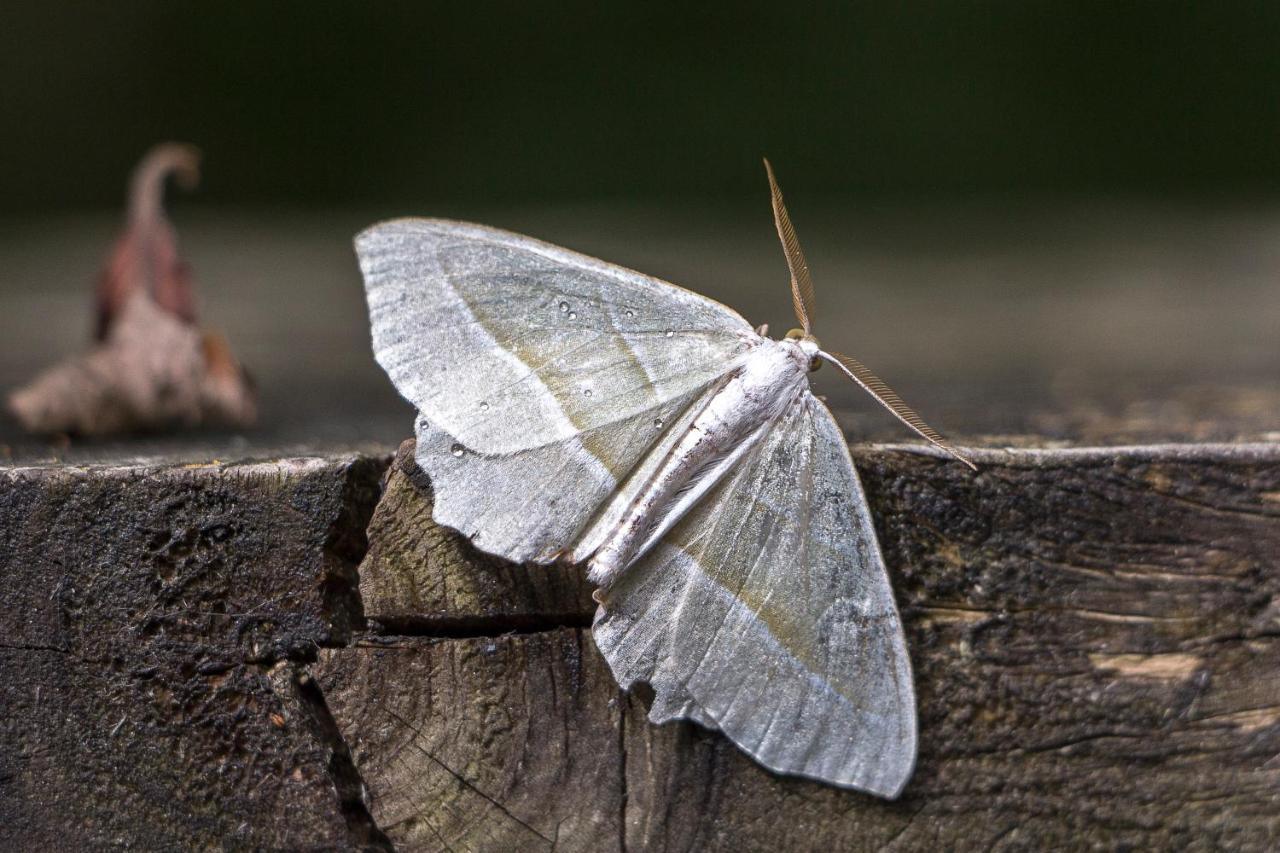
{"points": [[808, 345]]}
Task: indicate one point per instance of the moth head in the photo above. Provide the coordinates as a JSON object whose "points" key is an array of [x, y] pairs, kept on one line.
{"points": [[808, 345]]}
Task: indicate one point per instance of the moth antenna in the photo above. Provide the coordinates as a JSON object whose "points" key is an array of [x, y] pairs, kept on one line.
{"points": [[801, 283], [875, 386]]}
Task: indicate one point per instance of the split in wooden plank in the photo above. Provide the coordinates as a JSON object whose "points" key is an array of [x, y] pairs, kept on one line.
{"points": [[1096, 637]]}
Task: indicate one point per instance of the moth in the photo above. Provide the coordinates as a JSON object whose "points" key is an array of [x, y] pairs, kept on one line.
{"points": [[573, 410]]}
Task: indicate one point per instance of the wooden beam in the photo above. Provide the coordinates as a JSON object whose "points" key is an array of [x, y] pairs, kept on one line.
{"points": [[187, 661], [154, 620], [1095, 635]]}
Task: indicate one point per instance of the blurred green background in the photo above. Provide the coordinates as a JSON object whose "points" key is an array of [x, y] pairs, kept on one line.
{"points": [[1048, 220], [510, 102]]}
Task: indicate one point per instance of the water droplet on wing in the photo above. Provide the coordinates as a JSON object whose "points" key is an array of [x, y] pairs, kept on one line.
{"points": [[457, 449], [564, 307]]}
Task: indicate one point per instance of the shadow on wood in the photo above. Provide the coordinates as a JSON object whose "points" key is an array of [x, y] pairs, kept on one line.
{"points": [[187, 662], [1096, 637]]}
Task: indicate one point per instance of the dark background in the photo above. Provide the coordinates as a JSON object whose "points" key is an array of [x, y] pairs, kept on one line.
{"points": [[1035, 220], [507, 102]]}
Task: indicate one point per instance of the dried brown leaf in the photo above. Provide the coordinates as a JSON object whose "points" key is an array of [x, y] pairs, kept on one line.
{"points": [[152, 372], [152, 368], [145, 257]]}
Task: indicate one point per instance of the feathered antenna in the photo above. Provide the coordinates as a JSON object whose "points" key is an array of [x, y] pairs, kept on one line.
{"points": [[801, 282], [888, 398], [802, 300]]}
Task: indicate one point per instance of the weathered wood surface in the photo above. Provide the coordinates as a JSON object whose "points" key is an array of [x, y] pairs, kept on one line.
{"points": [[151, 622], [186, 661], [1096, 638]]}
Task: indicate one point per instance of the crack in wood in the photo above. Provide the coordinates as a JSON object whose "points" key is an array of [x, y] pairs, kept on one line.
{"points": [[1002, 656], [463, 781], [33, 647], [459, 628], [902, 830], [347, 782], [622, 771]]}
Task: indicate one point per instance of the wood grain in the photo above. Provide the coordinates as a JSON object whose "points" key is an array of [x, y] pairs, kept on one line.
{"points": [[186, 661], [149, 620], [488, 743], [421, 578], [1096, 637]]}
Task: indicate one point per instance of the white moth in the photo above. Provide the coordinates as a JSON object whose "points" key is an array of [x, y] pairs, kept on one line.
{"points": [[574, 410]]}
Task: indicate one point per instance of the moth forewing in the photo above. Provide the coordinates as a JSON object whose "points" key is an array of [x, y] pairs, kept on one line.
{"points": [[622, 500], [571, 407], [729, 423], [533, 367]]}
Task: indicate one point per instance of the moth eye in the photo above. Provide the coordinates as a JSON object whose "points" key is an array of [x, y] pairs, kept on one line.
{"points": [[814, 364]]}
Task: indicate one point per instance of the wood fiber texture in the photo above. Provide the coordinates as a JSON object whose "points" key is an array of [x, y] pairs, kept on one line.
{"points": [[187, 662], [1096, 641], [150, 620], [421, 578]]}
